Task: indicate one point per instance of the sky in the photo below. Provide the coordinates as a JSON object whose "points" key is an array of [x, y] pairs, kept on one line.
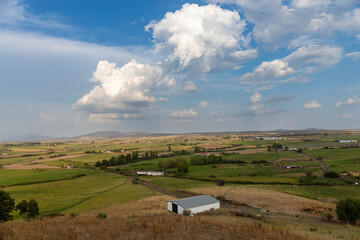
{"points": [[74, 67]]}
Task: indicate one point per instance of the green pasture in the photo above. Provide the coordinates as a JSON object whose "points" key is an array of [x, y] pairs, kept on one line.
{"points": [[176, 183], [61, 196], [317, 192], [122, 193], [10, 177]]}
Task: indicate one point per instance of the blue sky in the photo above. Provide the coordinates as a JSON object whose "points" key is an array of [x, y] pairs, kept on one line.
{"points": [[73, 67]]}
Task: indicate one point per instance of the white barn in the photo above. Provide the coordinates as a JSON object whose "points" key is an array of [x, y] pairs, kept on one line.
{"points": [[194, 205]]}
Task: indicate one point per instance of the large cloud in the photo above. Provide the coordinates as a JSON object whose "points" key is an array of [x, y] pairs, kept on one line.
{"points": [[202, 38], [278, 22], [128, 89], [300, 64]]}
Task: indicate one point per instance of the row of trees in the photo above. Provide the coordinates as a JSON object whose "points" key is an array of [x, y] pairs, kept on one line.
{"points": [[180, 163], [124, 159], [7, 205], [205, 160]]}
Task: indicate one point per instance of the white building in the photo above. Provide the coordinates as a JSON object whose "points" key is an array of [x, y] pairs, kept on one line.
{"points": [[150, 173], [348, 141], [194, 205]]}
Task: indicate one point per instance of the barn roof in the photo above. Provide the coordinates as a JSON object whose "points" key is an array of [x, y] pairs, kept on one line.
{"points": [[196, 201]]}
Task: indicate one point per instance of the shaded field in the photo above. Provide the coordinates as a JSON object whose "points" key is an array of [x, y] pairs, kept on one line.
{"points": [[17, 177]]}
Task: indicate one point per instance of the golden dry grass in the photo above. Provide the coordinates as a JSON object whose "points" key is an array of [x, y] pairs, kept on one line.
{"points": [[29, 166], [143, 219], [273, 201]]}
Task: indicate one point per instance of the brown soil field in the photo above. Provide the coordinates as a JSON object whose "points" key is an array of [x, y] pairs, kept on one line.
{"points": [[291, 159], [28, 167], [273, 201], [146, 218], [355, 173]]}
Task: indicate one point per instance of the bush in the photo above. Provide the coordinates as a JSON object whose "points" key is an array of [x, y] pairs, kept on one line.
{"points": [[259, 162], [187, 212], [220, 182], [101, 216], [331, 174], [328, 216], [348, 210]]}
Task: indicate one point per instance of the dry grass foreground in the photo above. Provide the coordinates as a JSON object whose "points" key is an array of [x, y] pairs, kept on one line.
{"points": [[146, 218], [273, 201]]}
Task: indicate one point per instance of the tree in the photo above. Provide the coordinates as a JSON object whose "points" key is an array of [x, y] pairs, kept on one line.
{"points": [[348, 210], [169, 148], [30, 209], [197, 149], [7, 205], [182, 165], [33, 208], [331, 174], [22, 207]]}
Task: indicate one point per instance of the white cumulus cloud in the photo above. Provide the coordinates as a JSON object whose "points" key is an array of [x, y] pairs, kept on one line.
{"points": [[125, 89], [297, 66], [277, 22], [202, 38], [203, 104], [350, 101], [184, 115], [190, 87], [313, 104]]}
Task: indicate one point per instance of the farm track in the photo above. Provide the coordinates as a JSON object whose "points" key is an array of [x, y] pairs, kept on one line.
{"points": [[325, 168]]}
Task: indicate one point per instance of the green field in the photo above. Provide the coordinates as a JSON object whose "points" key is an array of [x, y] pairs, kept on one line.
{"points": [[317, 192], [94, 191], [177, 183], [10, 177]]}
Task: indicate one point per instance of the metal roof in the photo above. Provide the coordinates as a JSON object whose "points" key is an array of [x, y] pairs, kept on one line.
{"points": [[196, 201]]}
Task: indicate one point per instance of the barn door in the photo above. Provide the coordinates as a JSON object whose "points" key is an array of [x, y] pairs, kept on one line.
{"points": [[174, 208]]}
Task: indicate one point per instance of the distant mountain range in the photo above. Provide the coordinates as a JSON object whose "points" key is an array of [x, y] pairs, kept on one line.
{"points": [[117, 134]]}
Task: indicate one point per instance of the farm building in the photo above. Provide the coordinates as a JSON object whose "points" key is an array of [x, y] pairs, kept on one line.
{"points": [[348, 141], [150, 173], [289, 167], [194, 205]]}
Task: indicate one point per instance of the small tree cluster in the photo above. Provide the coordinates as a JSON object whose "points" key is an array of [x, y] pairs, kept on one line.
{"points": [[274, 147], [205, 160], [7, 205], [331, 174], [29, 209], [182, 166]]}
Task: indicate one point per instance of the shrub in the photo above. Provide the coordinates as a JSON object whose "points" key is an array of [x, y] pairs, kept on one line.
{"points": [[187, 212], [101, 216], [220, 182], [259, 162], [331, 174], [328, 216], [348, 210]]}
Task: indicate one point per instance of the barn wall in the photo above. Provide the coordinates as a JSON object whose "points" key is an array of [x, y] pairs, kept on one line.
{"points": [[204, 208], [170, 206]]}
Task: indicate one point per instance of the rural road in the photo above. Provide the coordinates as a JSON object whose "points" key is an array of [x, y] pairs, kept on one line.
{"points": [[325, 168]]}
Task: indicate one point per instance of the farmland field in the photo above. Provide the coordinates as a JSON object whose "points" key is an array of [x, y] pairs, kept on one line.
{"points": [[99, 188], [19, 177]]}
